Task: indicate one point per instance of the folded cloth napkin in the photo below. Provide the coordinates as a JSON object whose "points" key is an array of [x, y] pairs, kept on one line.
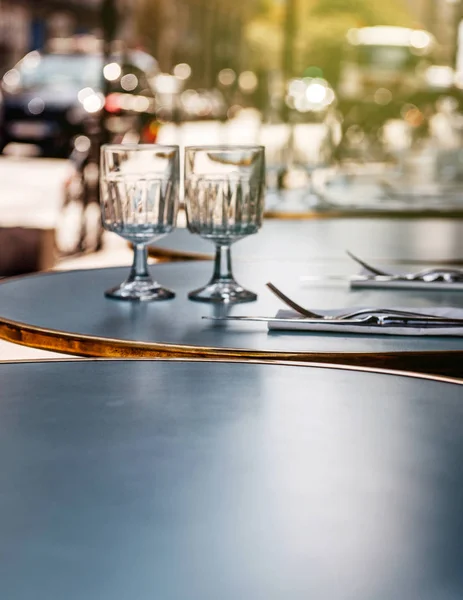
{"points": [[367, 280], [347, 327]]}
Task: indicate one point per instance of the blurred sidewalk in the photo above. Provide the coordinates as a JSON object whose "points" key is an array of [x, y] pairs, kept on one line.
{"points": [[31, 191]]}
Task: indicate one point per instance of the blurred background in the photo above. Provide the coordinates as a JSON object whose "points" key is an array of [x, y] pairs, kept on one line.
{"points": [[359, 104]]}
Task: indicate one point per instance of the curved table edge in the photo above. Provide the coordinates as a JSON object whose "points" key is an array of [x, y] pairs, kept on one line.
{"points": [[171, 255], [442, 363], [281, 363]]}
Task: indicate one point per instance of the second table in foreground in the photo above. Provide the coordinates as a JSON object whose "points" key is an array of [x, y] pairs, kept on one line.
{"points": [[186, 480], [67, 312]]}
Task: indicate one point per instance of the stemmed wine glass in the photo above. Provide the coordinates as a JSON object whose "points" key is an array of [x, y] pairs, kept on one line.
{"points": [[224, 194], [139, 202]]}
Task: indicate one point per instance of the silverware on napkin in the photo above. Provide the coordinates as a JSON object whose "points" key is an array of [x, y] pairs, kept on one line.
{"points": [[377, 278], [375, 320], [350, 314], [429, 275]]}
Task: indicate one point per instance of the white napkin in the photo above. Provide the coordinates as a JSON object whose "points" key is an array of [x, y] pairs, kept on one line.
{"points": [[371, 329], [359, 282]]}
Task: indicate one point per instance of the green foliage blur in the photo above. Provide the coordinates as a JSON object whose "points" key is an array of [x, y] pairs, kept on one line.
{"points": [[320, 33]]}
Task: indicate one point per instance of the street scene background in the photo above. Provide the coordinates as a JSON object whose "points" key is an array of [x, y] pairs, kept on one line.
{"points": [[320, 83]]}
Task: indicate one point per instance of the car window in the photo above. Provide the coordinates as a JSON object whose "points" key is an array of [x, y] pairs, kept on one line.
{"points": [[60, 69]]}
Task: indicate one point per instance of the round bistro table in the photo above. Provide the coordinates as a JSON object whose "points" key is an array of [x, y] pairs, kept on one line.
{"points": [[68, 312], [142, 479]]}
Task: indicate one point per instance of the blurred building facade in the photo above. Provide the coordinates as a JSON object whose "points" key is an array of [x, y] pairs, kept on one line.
{"points": [[206, 34], [442, 18], [26, 24]]}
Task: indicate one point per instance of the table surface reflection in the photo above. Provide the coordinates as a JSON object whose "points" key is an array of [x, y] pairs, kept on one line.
{"points": [[140, 479]]}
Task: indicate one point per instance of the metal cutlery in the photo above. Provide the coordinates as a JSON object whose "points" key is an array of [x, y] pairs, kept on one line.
{"points": [[432, 274], [383, 317], [390, 312], [378, 320], [358, 278]]}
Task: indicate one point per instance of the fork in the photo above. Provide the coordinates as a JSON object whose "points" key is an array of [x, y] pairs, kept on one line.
{"points": [[348, 315], [429, 275]]}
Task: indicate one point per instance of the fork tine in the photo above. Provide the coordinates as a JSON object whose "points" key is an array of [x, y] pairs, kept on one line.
{"points": [[365, 265], [297, 307]]}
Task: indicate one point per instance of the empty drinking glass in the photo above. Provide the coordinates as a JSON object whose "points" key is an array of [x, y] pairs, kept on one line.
{"points": [[139, 202], [224, 194]]}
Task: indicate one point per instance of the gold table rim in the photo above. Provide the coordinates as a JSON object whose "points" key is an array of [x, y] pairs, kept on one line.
{"points": [[276, 362], [105, 347]]}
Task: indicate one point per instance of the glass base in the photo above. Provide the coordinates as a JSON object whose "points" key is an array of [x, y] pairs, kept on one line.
{"points": [[140, 291], [225, 292]]}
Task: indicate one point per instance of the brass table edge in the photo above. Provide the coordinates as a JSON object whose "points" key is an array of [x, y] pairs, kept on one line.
{"points": [[445, 362], [166, 254], [281, 363]]}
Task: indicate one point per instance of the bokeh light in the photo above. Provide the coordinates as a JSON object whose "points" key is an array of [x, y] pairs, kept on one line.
{"points": [[420, 39], [12, 78], [226, 77], [112, 71], [129, 82], [248, 82], [382, 96], [182, 71], [36, 106]]}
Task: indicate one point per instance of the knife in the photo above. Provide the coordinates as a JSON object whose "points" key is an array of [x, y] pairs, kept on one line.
{"points": [[378, 278], [369, 320]]}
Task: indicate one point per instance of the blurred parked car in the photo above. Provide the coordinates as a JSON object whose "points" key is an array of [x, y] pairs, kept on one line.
{"points": [[52, 99]]}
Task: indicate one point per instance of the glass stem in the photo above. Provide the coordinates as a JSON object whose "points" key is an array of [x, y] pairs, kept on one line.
{"points": [[222, 263], [139, 268]]}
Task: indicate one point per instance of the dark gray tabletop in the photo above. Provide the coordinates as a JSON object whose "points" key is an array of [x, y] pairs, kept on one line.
{"points": [[73, 303], [388, 239], [179, 481]]}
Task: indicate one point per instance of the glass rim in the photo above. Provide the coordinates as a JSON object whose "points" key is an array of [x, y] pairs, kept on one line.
{"points": [[140, 147], [225, 147]]}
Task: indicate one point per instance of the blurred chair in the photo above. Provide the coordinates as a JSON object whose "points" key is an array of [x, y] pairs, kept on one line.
{"points": [[26, 250]]}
